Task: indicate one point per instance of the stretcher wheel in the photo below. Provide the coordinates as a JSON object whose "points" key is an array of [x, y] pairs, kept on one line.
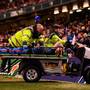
{"points": [[31, 74]]}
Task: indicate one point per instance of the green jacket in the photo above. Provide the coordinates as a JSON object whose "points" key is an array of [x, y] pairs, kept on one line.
{"points": [[54, 38], [24, 35]]}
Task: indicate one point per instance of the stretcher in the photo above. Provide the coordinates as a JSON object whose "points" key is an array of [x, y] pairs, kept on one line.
{"points": [[33, 66], [32, 56], [16, 61]]}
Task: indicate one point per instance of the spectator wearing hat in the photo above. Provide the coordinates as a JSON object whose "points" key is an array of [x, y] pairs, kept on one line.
{"points": [[37, 19]]}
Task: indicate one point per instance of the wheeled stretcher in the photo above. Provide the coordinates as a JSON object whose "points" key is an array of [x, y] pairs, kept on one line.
{"points": [[33, 66]]}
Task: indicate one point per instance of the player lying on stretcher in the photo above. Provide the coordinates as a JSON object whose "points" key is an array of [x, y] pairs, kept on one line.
{"points": [[37, 49], [51, 45]]}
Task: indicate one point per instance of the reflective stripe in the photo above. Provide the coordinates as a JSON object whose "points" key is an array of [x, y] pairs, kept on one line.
{"points": [[22, 32], [17, 41], [12, 42]]}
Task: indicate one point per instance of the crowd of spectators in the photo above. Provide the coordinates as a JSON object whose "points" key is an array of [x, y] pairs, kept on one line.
{"points": [[81, 30], [4, 40], [15, 4]]}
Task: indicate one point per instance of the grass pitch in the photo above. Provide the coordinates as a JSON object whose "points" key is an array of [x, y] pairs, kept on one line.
{"points": [[10, 83]]}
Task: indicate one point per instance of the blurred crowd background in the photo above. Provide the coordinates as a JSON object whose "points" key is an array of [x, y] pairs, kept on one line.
{"points": [[77, 23], [14, 4]]}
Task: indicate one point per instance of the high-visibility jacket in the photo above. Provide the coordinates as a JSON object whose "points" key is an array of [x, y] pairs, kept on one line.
{"points": [[24, 35], [54, 38]]}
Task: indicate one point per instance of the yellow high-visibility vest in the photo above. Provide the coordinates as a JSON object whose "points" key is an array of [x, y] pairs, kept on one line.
{"points": [[51, 41], [23, 35]]}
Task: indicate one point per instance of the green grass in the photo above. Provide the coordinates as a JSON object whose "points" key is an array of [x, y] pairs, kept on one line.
{"points": [[11, 83], [20, 85]]}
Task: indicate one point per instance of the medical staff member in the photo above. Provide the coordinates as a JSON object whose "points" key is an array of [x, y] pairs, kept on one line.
{"points": [[24, 38], [54, 42]]}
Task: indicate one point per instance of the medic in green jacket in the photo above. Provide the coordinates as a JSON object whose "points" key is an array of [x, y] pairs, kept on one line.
{"points": [[53, 39], [26, 36]]}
